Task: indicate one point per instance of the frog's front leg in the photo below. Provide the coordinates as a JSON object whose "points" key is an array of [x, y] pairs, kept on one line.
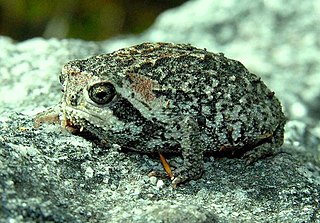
{"points": [[55, 115], [49, 116], [192, 152]]}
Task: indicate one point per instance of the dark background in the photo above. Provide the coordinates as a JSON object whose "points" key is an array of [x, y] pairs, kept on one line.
{"points": [[84, 19]]}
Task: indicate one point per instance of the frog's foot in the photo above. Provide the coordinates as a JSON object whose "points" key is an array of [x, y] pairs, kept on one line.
{"points": [[160, 174], [260, 152], [179, 176], [183, 174], [167, 168]]}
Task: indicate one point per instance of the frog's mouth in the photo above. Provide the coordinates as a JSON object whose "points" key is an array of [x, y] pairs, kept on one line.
{"points": [[76, 120]]}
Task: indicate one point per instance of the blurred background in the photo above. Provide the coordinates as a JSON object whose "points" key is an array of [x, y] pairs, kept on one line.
{"points": [[83, 19]]}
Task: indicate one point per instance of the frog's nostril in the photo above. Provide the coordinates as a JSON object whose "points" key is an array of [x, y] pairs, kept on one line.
{"points": [[73, 100]]}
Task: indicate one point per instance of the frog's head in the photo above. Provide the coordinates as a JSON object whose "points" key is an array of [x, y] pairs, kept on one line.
{"points": [[104, 101]]}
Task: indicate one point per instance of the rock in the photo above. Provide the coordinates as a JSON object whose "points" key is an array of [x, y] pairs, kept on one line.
{"points": [[47, 174]]}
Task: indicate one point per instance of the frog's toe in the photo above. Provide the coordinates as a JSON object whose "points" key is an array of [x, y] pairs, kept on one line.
{"points": [[159, 174]]}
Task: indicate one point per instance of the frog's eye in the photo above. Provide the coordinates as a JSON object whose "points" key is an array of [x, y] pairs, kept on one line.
{"points": [[102, 93]]}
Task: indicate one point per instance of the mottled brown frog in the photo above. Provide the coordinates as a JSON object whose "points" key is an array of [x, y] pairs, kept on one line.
{"points": [[163, 97]]}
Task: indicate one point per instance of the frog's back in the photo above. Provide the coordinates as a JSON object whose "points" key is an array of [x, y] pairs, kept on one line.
{"points": [[232, 106]]}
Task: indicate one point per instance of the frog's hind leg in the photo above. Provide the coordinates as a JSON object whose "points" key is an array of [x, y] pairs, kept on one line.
{"points": [[259, 152], [268, 147]]}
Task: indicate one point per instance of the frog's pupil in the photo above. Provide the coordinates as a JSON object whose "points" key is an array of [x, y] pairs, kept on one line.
{"points": [[101, 95]]}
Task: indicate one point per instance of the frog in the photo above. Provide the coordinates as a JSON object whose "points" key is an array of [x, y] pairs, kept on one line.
{"points": [[174, 98]]}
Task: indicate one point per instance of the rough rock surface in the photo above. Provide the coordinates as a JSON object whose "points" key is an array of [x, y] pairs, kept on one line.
{"points": [[47, 174]]}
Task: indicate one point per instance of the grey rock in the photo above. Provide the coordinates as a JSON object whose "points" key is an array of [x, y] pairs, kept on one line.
{"points": [[49, 175]]}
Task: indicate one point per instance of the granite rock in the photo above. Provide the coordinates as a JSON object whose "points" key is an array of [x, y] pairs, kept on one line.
{"points": [[49, 175]]}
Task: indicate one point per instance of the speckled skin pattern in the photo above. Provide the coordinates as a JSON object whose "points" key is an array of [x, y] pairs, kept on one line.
{"points": [[162, 97]]}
